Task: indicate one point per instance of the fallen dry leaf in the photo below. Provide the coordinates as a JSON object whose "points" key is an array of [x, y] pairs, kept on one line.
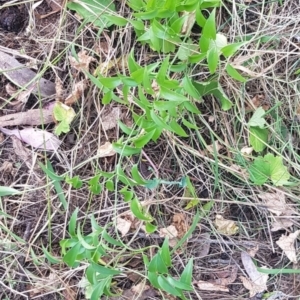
{"points": [[210, 286], [252, 287], [226, 227], [287, 244], [246, 150], [21, 97], [180, 223], [106, 150], [23, 153], [214, 147], [190, 18], [109, 120], [171, 233], [22, 76], [123, 225], [258, 281], [120, 63], [31, 117], [82, 62], [36, 138], [76, 93], [279, 223], [276, 204]]}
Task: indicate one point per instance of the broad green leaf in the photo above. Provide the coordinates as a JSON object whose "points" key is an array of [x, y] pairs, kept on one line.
{"points": [[189, 124], [136, 175], [111, 240], [234, 73], [128, 195], [72, 223], [125, 150], [258, 138], [150, 228], [75, 181], [165, 253], [269, 167], [196, 58], [121, 175], [171, 95], [110, 186], [94, 11], [50, 257], [258, 118], [191, 107], [152, 276], [190, 88], [110, 82], [138, 210], [70, 257], [116, 20], [178, 129], [179, 284], [63, 114], [209, 29], [82, 241], [200, 19], [166, 286], [185, 50], [8, 191], [157, 265], [186, 276], [49, 171], [230, 49], [98, 290], [212, 59], [104, 270]]}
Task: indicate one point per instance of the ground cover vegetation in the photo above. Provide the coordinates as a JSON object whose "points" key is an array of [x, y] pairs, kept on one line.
{"points": [[149, 149]]}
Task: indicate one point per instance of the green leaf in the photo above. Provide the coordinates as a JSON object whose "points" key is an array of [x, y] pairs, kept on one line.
{"points": [[116, 20], [165, 253], [172, 96], [94, 11], [269, 167], [110, 82], [63, 114], [258, 138], [70, 257], [136, 175], [49, 171], [258, 118], [179, 284], [125, 150], [190, 88], [104, 270], [138, 210], [152, 276], [150, 228], [110, 186], [178, 129], [51, 258], [143, 140], [72, 223], [209, 29], [230, 49], [166, 286], [185, 50], [186, 276], [234, 73], [76, 182], [128, 195], [98, 290], [8, 191], [82, 241], [111, 240], [157, 265], [212, 59]]}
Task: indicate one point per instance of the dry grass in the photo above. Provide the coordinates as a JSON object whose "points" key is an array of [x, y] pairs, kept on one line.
{"points": [[36, 219]]}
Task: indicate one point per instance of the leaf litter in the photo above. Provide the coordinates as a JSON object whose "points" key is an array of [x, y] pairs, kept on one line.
{"points": [[287, 244]]}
